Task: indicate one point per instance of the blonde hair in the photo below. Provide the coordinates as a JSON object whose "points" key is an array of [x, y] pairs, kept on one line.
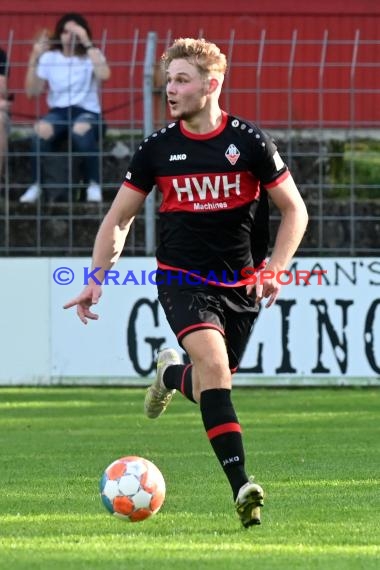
{"points": [[205, 56]]}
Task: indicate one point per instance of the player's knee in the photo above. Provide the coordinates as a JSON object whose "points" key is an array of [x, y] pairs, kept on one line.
{"points": [[213, 372]]}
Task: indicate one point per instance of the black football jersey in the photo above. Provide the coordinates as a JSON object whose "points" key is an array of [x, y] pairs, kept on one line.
{"points": [[214, 210]]}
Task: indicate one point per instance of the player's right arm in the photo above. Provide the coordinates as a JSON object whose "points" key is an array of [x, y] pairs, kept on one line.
{"points": [[108, 246], [114, 229]]}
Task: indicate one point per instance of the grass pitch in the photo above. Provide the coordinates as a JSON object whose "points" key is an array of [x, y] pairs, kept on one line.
{"points": [[316, 453]]}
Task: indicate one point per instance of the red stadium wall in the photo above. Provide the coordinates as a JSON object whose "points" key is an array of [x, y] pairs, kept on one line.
{"points": [[306, 48]]}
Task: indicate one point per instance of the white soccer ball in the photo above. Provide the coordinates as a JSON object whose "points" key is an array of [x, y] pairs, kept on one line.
{"points": [[132, 488]]}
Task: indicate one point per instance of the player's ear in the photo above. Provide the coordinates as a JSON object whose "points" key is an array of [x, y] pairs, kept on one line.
{"points": [[213, 85]]}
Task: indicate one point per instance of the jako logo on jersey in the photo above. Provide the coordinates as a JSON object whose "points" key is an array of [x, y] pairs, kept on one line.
{"points": [[219, 186], [177, 157], [232, 154]]}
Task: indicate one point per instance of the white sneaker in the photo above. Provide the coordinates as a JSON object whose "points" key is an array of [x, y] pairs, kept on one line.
{"points": [[31, 195], [158, 396], [94, 193], [248, 502]]}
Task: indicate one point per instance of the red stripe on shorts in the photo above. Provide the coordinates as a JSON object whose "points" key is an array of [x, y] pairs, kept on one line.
{"points": [[197, 327]]}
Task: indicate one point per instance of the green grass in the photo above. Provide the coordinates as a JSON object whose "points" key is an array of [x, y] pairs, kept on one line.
{"points": [[316, 452]]}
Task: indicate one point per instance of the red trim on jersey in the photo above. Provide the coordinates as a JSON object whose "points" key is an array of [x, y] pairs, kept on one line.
{"points": [[223, 428], [198, 326], [262, 265], [131, 187], [278, 180], [182, 388], [233, 370], [204, 136], [221, 283], [207, 192]]}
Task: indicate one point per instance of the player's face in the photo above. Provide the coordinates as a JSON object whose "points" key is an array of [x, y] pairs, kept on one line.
{"points": [[185, 89]]}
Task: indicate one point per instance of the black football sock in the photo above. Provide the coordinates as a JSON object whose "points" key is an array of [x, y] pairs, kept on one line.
{"points": [[224, 432], [178, 376]]}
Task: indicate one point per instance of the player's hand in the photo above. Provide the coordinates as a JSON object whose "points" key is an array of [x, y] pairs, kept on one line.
{"points": [[89, 296], [267, 287]]}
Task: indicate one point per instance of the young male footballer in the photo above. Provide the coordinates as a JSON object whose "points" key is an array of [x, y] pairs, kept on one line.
{"points": [[215, 172]]}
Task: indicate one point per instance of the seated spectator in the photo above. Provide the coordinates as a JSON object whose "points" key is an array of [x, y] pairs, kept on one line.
{"points": [[72, 68], [4, 107]]}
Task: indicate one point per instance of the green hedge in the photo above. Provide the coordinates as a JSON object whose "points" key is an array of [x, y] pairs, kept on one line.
{"points": [[355, 164]]}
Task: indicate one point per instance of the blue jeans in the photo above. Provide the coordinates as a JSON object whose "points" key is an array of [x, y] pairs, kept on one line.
{"points": [[63, 121]]}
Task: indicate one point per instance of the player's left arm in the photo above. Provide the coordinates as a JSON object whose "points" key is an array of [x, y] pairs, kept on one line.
{"points": [[294, 218]]}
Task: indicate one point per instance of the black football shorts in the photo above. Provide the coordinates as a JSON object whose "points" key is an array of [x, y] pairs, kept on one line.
{"points": [[226, 309]]}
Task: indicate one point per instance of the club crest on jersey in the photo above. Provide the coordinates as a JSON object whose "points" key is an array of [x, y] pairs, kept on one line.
{"points": [[232, 154]]}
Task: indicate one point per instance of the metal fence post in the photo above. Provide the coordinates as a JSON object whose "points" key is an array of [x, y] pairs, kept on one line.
{"points": [[259, 67], [150, 213], [292, 56], [228, 78], [6, 163], [321, 78], [352, 142]]}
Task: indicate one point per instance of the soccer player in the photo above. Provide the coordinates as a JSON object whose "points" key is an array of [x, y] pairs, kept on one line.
{"points": [[214, 172]]}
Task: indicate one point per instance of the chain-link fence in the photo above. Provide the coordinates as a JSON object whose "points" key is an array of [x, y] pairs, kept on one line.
{"points": [[317, 97]]}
